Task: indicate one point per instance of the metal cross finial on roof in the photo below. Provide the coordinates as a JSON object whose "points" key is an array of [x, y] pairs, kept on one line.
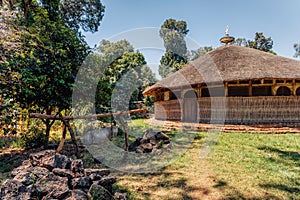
{"points": [[227, 30], [227, 39]]}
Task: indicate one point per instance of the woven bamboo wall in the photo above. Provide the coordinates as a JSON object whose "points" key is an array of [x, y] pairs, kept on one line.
{"points": [[170, 110], [240, 110]]}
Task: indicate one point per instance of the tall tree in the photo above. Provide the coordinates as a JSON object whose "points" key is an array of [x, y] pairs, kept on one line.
{"points": [[123, 68], [53, 50], [173, 33], [297, 50], [259, 42], [200, 52]]}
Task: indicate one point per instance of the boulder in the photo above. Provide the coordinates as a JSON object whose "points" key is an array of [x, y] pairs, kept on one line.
{"points": [[62, 161], [48, 176], [150, 141], [78, 194], [52, 186], [43, 159], [63, 173], [107, 183], [25, 178], [120, 196], [96, 174], [82, 182], [97, 192], [77, 168], [13, 189]]}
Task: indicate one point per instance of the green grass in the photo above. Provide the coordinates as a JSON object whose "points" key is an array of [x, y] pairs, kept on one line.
{"points": [[258, 165], [10, 142], [240, 166]]}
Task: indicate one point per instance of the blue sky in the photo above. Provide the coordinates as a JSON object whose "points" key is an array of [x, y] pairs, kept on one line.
{"points": [[207, 20]]}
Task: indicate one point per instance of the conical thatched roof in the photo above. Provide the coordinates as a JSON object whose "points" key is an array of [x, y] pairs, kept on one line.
{"points": [[229, 63]]}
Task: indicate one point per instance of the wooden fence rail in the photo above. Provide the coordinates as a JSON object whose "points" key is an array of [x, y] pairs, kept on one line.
{"points": [[66, 119]]}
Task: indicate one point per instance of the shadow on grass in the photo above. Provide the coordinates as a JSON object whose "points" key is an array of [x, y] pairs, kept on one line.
{"points": [[283, 188], [292, 155], [236, 194], [285, 156]]}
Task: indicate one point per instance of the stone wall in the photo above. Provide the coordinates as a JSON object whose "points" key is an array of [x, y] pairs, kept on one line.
{"points": [[48, 175]]}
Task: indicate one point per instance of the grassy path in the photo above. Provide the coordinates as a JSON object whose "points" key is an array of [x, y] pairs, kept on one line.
{"points": [[240, 166]]}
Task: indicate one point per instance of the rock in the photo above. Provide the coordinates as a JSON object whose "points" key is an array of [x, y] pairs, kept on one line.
{"points": [[78, 194], [120, 196], [96, 174], [61, 161], [49, 159], [162, 136], [50, 176], [149, 134], [134, 144], [77, 168], [26, 167], [97, 192], [25, 178], [63, 173], [107, 183], [82, 182], [38, 173], [151, 141], [43, 159], [54, 186], [147, 147], [14, 190], [139, 149]]}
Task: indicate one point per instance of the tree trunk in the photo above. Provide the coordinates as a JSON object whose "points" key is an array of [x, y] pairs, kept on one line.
{"points": [[48, 127]]}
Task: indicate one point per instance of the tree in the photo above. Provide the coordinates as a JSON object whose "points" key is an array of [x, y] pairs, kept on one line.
{"points": [[173, 33], [52, 52], [260, 42], [200, 52], [122, 69], [297, 49]]}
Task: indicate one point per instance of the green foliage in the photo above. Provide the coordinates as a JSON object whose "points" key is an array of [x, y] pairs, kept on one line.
{"points": [[8, 117], [200, 52], [85, 14], [260, 42], [33, 138], [171, 25], [170, 63], [124, 72], [41, 62], [173, 33], [297, 49]]}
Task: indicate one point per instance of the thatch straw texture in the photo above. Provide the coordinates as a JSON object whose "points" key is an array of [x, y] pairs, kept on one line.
{"points": [[229, 63]]}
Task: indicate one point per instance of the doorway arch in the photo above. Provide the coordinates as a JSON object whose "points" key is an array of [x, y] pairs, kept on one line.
{"points": [[190, 106], [298, 91], [283, 91]]}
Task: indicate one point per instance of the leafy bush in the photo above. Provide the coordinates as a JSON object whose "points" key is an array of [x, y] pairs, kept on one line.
{"points": [[33, 138]]}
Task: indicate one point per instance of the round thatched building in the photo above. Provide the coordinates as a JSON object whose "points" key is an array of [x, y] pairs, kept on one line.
{"points": [[233, 84]]}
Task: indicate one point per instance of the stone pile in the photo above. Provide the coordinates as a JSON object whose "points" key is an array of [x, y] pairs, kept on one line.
{"points": [[48, 175], [151, 141]]}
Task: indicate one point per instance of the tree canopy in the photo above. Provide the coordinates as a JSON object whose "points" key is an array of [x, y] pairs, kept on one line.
{"points": [[47, 52], [297, 50], [173, 33], [200, 52], [123, 70], [259, 42]]}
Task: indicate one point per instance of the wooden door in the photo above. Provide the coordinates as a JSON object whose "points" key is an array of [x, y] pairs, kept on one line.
{"points": [[190, 110]]}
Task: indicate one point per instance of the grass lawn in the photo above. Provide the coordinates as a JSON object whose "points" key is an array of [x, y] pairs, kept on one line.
{"points": [[240, 166]]}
